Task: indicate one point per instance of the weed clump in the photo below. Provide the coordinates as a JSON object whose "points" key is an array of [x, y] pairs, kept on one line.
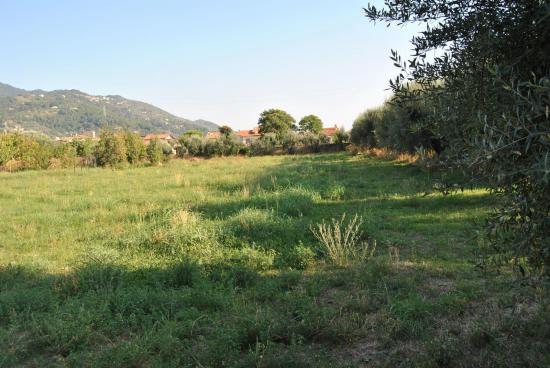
{"points": [[341, 240]]}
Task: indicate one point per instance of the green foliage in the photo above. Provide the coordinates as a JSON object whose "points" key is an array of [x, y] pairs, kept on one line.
{"points": [[135, 148], [19, 151], [155, 154], [192, 133], [275, 121], [290, 140], [225, 130], [362, 132], [190, 145], [226, 145], [488, 93], [84, 148], [341, 136], [167, 149], [111, 149], [341, 240], [311, 123], [264, 145]]}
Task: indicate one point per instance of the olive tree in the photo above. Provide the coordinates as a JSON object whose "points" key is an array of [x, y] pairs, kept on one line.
{"points": [[275, 121], [488, 87]]}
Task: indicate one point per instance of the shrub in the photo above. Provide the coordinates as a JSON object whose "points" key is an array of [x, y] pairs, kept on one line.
{"points": [[155, 154], [19, 151], [264, 145], [341, 136], [190, 145], [301, 257], [167, 149], [341, 240], [111, 149], [65, 153], [362, 132], [290, 141], [312, 140], [85, 149], [135, 148]]}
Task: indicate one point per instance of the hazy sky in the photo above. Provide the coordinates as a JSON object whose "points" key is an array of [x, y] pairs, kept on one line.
{"points": [[225, 61]]}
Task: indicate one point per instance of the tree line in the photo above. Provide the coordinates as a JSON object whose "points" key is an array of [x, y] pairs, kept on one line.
{"points": [[117, 149], [114, 149]]}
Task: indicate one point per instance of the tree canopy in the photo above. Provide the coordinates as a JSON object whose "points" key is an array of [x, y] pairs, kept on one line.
{"points": [[488, 89], [311, 123], [225, 130], [275, 121]]}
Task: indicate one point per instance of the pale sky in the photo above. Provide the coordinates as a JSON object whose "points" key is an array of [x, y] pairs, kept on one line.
{"points": [[223, 61]]}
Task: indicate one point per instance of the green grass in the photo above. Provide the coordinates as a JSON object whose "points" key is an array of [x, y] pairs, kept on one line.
{"points": [[211, 263]]}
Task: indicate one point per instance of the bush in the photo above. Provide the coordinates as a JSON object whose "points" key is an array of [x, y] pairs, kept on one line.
{"points": [[301, 257], [19, 151], [190, 145], [362, 132], [155, 154], [111, 149], [167, 149], [341, 136], [136, 151], [290, 141], [341, 241], [264, 145], [85, 149]]}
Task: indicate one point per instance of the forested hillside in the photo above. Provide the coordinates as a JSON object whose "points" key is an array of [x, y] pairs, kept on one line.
{"points": [[63, 112]]}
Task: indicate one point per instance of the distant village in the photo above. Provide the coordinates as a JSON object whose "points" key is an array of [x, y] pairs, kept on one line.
{"points": [[246, 137]]}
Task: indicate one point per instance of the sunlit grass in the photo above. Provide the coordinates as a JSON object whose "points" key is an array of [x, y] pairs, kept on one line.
{"points": [[211, 263]]}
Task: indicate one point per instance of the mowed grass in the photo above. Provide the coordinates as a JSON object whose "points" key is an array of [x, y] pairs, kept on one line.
{"points": [[212, 263]]}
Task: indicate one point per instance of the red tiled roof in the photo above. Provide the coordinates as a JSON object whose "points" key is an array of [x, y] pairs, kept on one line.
{"points": [[213, 135], [249, 133], [330, 131]]}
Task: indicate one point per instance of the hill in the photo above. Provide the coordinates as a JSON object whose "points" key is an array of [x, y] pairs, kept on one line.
{"points": [[65, 112], [7, 90]]}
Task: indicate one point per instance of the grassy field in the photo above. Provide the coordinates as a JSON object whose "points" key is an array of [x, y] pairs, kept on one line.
{"points": [[212, 263]]}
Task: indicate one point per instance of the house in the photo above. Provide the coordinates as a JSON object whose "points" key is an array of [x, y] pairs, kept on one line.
{"points": [[213, 135], [163, 137], [330, 132], [246, 137]]}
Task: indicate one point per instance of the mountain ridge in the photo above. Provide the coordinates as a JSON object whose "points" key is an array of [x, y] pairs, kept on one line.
{"points": [[68, 111]]}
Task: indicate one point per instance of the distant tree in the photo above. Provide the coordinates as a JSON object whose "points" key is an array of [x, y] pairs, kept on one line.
{"points": [[311, 123], [275, 121], [290, 141], [225, 130], [135, 147], [341, 136], [111, 149], [84, 148], [65, 153], [264, 145], [192, 133], [154, 152], [190, 145], [167, 149], [362, 132]]}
